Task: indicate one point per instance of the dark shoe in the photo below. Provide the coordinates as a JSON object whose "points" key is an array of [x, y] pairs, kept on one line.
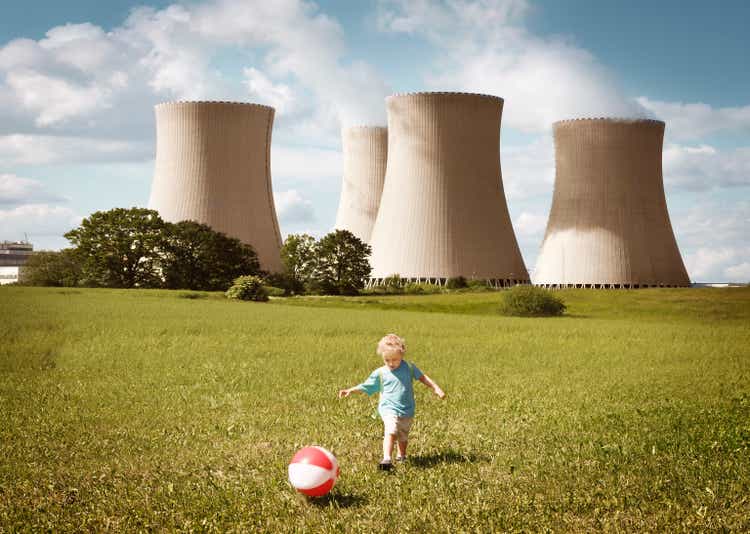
{"points": [[401, 459], [385, 466]]}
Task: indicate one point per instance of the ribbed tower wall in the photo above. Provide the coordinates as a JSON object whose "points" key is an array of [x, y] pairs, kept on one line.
{"points": [[365, 151], [609, 225], [443, 212], [213, 167]]}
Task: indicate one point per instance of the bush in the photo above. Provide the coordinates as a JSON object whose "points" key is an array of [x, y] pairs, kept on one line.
{"points": [[393, 284], [248, 288], [531, 301], [274, 291], [478, 285], [459, 282], [421, 289]]}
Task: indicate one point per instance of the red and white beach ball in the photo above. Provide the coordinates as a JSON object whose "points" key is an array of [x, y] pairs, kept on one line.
{"points": [[313, 471]]}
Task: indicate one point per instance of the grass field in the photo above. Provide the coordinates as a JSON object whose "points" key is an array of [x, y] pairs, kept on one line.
{"points": [[140, 410]]}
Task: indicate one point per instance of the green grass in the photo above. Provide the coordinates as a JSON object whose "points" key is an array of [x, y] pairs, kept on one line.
{"points": [[139, 410]]}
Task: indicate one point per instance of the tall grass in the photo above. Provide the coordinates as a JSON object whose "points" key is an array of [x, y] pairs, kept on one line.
{"points": [[135, 410]]}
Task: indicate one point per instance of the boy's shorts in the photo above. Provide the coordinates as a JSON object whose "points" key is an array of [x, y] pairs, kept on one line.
{"points": [[400, 426]]}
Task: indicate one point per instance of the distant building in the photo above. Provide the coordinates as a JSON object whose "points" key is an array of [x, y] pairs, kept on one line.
{"points": [[13, 256], [365, 156], [608, 225], [443, 212], [213, 166]]}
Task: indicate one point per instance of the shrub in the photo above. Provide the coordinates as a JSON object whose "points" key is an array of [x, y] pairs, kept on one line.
{"points": [[393, 284], [248, 288], [459, 282], [531, 301], [274, 291], [414, 288], [477, 285]]}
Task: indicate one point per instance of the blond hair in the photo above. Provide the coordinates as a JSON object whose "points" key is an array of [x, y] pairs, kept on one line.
{"points": [[391, 343]]}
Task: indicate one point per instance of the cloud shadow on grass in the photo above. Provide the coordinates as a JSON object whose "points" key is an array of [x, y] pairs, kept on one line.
{"points": [[426, 461]]}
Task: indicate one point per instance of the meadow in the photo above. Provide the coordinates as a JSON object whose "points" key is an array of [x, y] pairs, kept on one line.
{"points": [[156, 410]]}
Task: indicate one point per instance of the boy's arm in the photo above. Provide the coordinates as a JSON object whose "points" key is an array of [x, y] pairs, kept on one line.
{"points": [[427, 381], [346, 392], [369, 386]]}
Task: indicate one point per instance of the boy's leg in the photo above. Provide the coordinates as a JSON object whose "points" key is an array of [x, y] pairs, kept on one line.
{"points": [[389, 437], [388, 440], [403, 428]]}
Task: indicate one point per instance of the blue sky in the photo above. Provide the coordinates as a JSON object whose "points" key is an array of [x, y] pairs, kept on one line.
{"points": [[78, 81]]}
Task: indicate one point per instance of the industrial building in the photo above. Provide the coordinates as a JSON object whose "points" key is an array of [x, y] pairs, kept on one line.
{"points": [[608, 225], [13, 256], [443, 211], [213, 167], [365, 151]]}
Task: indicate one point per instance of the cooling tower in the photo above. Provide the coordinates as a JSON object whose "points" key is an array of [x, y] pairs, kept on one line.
{"points": [[443, 212], [609, 226], [365, 155], [213, 167]]}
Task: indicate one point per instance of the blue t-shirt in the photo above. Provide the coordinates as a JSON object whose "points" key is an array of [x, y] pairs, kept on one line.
{"points": [[397, 392]]}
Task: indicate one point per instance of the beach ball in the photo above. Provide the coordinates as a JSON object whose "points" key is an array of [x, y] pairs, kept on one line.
{"points": [[313, 471]]}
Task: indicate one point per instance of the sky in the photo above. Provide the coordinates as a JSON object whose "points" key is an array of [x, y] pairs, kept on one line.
{"points": [[79, 79]]}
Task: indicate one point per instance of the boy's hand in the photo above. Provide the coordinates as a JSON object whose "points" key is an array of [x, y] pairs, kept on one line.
{"points": [[439, 392], [344, 393]]}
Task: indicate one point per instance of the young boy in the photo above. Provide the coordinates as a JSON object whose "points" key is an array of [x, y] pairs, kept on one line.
{"points": [[396, 406]]}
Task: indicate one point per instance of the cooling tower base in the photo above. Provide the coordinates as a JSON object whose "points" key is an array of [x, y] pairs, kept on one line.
{"points": [[605, 286], [491, 282]]}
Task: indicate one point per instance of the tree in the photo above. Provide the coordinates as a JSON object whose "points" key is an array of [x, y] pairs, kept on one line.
{"points": [[53, 268], [342, 266], [121, 247], [200, 258], [298, 257]]}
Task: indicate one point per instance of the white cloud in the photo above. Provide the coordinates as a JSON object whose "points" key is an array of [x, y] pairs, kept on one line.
{"points": [[24, 149], [305, 164], [82, 81], [263, 91], [703, 167], [487, 49], [43, 223], [713, 239], [529, 170], [15, 190], [530, 224], [687, 121], [54, 100], [292, 208]]}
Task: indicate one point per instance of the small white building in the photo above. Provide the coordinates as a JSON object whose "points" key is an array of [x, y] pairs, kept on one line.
{"points": [[13, 256]]}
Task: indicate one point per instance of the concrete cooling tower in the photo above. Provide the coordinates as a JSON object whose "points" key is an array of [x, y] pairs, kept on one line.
{"points": [[213, 167], [609, 226], [443, 212], [365, 155]]}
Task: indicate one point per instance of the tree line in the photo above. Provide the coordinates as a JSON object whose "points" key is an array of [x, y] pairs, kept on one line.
{"points": [[136, 248]]}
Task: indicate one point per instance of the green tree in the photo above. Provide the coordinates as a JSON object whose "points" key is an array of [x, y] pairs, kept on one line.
{"points": [[53, 268], [121, 247], [200, 258], [298, 258], [342, 266]]}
